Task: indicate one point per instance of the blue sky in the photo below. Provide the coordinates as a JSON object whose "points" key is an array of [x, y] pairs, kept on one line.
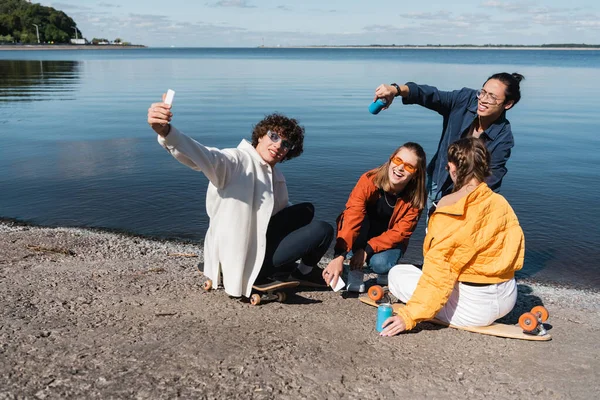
{"points": [[249, 23]]}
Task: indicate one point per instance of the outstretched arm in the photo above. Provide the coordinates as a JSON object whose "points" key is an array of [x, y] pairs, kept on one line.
{"points": [[427, 96], [389, 92], [216, 164]]}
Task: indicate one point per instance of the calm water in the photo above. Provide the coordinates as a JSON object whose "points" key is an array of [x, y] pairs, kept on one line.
{"points": [[75, 149]]}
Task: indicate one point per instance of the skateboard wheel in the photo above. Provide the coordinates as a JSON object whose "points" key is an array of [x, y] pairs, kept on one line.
{"points": [[207, 285], [528, 322], [541, 312], [255, 299], [281, 296], [375, 293]]}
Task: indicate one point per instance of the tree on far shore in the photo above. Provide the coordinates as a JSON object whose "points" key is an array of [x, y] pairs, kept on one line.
{"points": [[17, 19]]}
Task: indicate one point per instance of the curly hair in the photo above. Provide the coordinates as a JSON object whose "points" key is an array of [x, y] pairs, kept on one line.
{"points": [[289, 128], [472, 160]]}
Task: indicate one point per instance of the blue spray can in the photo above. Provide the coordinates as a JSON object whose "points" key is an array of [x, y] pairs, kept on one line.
{"points": [[384, 311], [377, 106]]}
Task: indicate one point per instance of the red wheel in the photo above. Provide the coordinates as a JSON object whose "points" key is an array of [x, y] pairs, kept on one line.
{"points": [[541, 313], [528, 322], [375, 293], [255, 299], [207, 285]]}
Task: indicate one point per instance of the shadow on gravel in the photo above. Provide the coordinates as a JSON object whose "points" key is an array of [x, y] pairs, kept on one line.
{"points": [[526, 300], [292, 298]]}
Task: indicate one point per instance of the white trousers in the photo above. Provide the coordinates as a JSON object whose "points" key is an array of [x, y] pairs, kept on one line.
{"points": [[467, 305]]}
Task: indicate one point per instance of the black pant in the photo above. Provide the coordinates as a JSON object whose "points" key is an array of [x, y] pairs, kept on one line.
{"points": [[292, 234]]}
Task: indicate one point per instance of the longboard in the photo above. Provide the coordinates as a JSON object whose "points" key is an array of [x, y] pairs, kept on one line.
{"points": [[271, 291], [495, 329]]}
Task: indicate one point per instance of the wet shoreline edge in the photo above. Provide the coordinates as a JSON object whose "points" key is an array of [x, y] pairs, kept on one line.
{"points": [[8, 224]]}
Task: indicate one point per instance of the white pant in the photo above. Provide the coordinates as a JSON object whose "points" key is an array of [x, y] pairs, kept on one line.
{"points": [[467, 305]]}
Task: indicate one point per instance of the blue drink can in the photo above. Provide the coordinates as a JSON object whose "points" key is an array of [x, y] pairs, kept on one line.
{"points": [[377, 106], [384, 311]]}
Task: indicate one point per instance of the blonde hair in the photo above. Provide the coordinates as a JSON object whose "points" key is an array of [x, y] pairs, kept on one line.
{"points": [[415, 192], [472, 160]]}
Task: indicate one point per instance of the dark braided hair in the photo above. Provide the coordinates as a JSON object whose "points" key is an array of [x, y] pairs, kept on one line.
{"points": [[472, 160]]}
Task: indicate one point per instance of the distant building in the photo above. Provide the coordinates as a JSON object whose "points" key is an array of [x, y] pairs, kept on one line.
{"points": [[78, 41]]}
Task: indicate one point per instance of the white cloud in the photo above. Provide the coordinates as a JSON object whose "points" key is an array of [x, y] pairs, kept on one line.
{"points": [[320, 10], [233, 3], [69, 6], [428, 15], [511, 7]]}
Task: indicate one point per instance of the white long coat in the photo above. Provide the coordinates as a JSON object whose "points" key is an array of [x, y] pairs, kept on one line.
{"points": [[243, 193]]}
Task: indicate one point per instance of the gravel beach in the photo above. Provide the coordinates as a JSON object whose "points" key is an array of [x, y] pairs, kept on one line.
{"points": [[90, 314]]}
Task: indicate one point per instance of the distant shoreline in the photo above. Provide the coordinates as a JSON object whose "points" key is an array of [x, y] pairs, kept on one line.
{"points": [[433, 47], [131, 47], [27, 47]]}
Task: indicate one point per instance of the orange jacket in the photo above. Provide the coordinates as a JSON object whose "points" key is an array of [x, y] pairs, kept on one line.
{"points": [[477, 239], [402, 223]]}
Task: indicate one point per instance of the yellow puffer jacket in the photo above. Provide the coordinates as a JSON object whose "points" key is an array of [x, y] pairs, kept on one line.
{"points": [[477, 239]]}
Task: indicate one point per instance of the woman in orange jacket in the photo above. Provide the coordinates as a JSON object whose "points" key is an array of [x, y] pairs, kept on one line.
{"points": [[473, 247], [380, 216]]}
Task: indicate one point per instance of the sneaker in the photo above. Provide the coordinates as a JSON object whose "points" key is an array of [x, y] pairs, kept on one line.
{"points": [[356, 281], [313, 279], [382, 279]]}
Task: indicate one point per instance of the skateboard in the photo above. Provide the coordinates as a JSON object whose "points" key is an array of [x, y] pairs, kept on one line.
{"points": [[531, 324], [266, 292], [271, 291]]}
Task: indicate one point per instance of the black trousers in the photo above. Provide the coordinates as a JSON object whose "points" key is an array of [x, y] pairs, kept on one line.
{"points": [[292, 235]]}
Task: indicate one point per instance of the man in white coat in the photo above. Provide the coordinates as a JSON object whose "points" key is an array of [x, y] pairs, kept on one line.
{"points": [[254, 232]]}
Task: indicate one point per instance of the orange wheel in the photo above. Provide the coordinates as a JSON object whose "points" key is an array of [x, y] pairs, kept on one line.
{"points": [[528, 322], [255, 299], [207, 285], [540, 312], [281, 297], [376, 293]]}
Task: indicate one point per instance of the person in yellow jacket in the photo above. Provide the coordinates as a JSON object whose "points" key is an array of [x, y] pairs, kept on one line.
{"points": [[473, 247]]}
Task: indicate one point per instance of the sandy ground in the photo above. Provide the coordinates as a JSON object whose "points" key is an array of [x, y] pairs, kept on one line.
{"points": [[87, 314]]}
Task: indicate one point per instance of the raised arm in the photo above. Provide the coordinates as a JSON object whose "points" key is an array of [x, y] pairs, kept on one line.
{"points": [[216, 164]]}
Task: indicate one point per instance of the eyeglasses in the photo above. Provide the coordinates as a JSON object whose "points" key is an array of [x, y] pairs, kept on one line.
{"points": [[398, 161], [275, 137], [492, 99]]}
